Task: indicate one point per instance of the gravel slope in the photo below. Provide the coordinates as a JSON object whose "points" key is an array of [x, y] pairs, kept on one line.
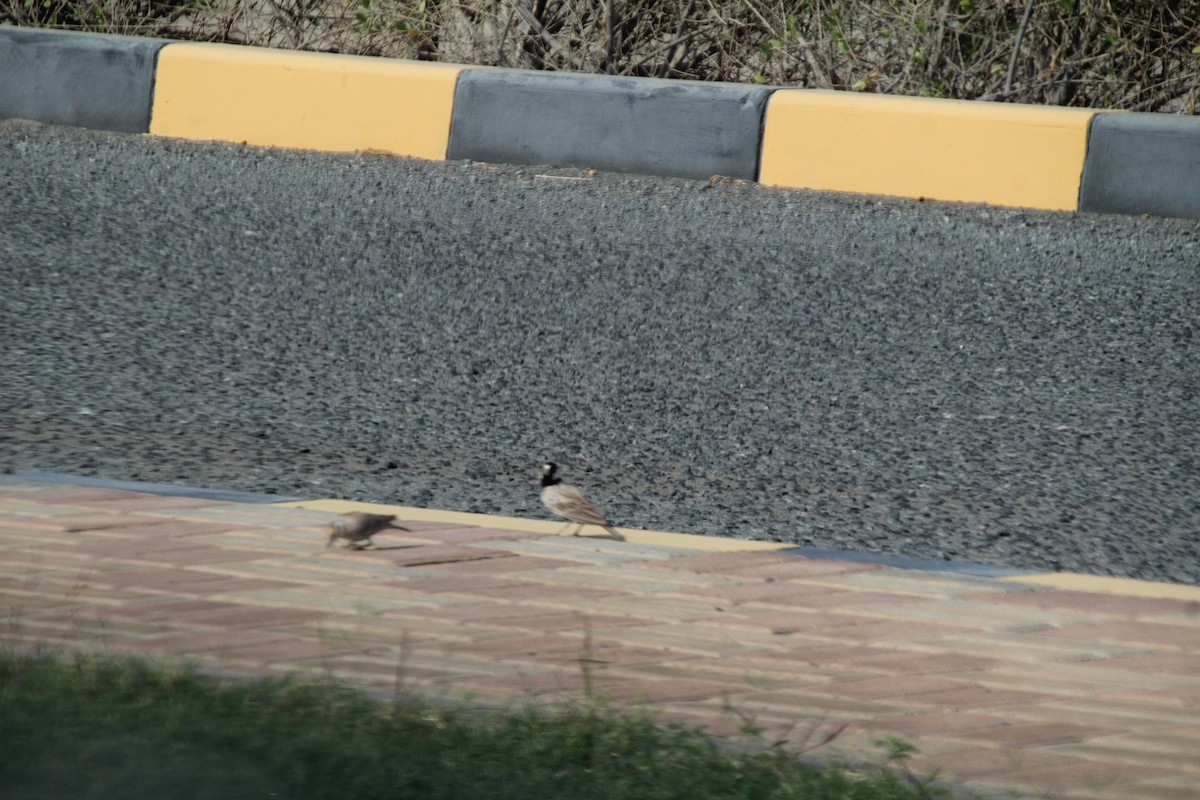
{"points": [[930, 380]]}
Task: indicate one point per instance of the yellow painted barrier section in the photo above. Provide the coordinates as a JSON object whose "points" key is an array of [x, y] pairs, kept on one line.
{"points": [[315, 101], [659, 538], [959, 150]]}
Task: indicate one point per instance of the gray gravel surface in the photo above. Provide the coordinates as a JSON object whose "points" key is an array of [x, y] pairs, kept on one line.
{"points": [[942, 381]]}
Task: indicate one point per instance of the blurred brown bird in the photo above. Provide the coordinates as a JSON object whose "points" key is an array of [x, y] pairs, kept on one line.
{"points": [[569, 503], [357, 528]]}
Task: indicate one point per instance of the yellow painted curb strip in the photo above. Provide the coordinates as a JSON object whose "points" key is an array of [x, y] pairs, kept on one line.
{"points": [[1125, 586], [661, 538], [315, 101], [955, 150]]}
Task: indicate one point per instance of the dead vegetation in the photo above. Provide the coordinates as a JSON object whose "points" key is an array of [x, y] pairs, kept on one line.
{"points": [[1122, 54]]}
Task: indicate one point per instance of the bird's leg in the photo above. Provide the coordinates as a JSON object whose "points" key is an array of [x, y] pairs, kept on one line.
{"points": [[564, 529]]}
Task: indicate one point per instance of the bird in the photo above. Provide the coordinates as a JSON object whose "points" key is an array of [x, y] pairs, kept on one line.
{"points": [[566, 501], [357, 528]]}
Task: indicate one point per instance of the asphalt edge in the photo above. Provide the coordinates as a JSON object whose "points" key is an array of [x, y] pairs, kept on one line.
{"points": [[924, 148], [1033, 579]]}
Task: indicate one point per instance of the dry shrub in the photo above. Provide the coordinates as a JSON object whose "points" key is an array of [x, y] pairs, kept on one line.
{"points": [[1128, 54]]}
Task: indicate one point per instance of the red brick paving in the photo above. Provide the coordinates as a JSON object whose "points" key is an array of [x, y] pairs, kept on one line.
{"points": [[860, 649], [1116, 605], [1178, 637], [431, 555], [75, 523]]}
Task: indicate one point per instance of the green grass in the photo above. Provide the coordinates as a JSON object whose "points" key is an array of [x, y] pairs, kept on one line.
{"points": [[114, 727]]}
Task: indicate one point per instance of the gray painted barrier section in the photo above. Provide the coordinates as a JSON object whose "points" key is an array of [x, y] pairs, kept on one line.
{"points": [[86, 80], [656, 127], [1142, 164]]}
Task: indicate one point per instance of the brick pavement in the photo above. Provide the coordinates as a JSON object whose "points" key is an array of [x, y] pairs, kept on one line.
{"points": [[1045, 685]]}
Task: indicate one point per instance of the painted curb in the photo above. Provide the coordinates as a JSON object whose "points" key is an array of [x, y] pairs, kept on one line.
{"points": [[1143, 164], [314, 101], [80, 79], [671, 128], [958, 150], [955, 150]]}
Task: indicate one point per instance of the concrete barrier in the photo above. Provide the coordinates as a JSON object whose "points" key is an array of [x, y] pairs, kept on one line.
{"points": [[316, 101], [960, 150], [86, 80], [657, 127], [1004, 154], [1143, 164]]}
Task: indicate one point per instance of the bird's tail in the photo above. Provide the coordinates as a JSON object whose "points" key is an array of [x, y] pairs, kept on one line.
{"points": [[614, 533]]}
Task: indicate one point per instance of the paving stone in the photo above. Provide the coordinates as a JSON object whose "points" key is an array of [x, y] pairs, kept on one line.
{"points": [[71, 523], [725, 563], [1174, 663], [891, 659], [984, 762], [421, 631], [772, 592], [780, 622], [806, 703], [1031, 648], [556, 620], [290, 650], [589, 551], [986, 698], [943, 724], [623, 581], [559, 682], [138, 503], [213, 644], [255, 516], [544, 593], [425, 555], [518, 563], [934, 585], [1034, 734], [1082, 678], [659, 608], [987, 616], [1181, 637], [1052, 780], [1097, 603], [711, 642], [172, 552], [1106, 711], [165, 608], [68, 495], [192, 581], [465, 534], [892, 686], [1161, 787], [471, 585], [1178, 739]]}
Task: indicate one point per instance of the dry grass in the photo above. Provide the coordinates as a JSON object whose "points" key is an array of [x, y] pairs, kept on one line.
{"points": [[1124, 54]]}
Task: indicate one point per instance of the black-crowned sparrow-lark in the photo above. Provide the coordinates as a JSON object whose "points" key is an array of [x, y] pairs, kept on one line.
{"points": [[570, 504]]}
